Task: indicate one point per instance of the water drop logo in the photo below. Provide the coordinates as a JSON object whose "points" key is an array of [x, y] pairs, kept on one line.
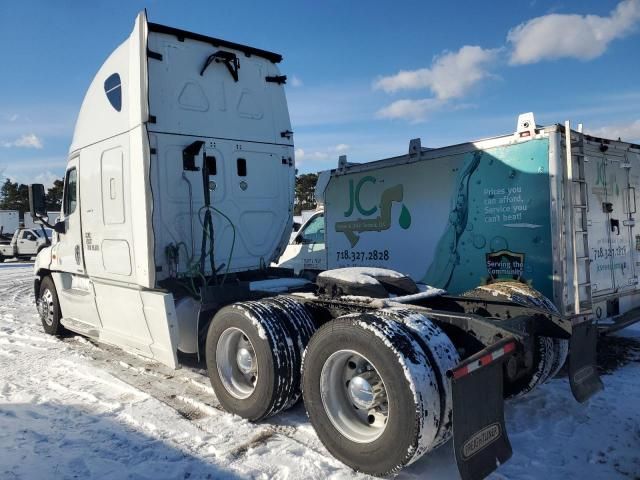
{"points": [[405, 218]]}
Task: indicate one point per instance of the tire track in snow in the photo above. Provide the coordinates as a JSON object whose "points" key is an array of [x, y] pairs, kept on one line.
{"points": [[185, 391], [70, 364]]}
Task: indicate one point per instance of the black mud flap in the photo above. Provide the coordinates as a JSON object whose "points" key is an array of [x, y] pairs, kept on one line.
{"points": [[583, 371], [480, 438]]}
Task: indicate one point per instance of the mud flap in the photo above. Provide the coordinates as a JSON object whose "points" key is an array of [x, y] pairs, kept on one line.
{"points": [[480, 438], [583, 371]]}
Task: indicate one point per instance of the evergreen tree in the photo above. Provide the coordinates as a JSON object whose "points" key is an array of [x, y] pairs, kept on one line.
{"points": [[54, 196], [14, 196], [305, 192]]}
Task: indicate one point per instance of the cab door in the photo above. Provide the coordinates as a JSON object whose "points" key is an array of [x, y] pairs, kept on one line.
{"points": [[68, 250]]}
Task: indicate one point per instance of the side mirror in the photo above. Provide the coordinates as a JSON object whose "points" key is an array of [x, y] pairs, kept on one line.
{"points": [[298, 239], [60, 227], [37, 205]]}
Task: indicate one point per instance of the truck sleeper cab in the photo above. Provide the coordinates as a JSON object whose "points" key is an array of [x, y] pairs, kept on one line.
{"points": [[178, 194]]}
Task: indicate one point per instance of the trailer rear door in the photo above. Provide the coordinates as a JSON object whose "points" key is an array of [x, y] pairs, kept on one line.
{"points": [[609, 227]]}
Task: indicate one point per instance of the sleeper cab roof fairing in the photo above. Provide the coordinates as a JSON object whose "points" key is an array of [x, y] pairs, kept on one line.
{"points": [[116, 100]]}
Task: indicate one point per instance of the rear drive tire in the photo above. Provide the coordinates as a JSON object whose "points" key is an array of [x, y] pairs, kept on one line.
{"points": [[442, 355], [49, 308], [252, 360], [370, 393]]}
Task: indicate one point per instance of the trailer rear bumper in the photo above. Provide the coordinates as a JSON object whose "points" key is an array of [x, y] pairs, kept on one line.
{"points": [[623, 321]]}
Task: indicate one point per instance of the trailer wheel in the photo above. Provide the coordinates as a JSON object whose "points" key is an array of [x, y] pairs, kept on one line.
{"points": [[525, 295], [1, 258], [371, 393], [252, 362], [442, 355], [551, 353], [49, 307]]}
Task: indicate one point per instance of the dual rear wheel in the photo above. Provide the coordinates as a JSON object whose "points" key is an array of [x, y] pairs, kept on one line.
{"points": [[374, 385]]}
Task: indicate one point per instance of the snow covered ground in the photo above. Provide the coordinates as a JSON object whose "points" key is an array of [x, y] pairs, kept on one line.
{"points": [[72, 409]]}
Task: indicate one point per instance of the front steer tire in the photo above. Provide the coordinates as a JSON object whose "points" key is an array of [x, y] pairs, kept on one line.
{"points": [[49, 308], [408, 381]]}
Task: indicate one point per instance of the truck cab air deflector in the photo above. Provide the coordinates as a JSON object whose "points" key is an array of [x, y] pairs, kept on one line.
{"points": [[216, 42]]}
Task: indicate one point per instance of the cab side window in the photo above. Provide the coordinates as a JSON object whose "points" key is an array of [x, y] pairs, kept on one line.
{"points": [[313, 232], [70, 192], [27, 235]]}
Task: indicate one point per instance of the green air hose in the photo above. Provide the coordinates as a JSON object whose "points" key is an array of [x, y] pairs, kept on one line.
{"points": [[206, 233]]}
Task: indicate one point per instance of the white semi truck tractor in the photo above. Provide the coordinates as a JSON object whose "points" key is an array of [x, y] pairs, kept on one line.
{"points": [[178, 195]]}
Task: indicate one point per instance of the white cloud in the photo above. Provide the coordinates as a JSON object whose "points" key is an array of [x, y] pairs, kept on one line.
{"points": [[629, 132], [412, 110], [46, 178], [340, 148], [450, 76], [33, 169], [296, 82], [29, 140], [321, 153], [571, 36]]}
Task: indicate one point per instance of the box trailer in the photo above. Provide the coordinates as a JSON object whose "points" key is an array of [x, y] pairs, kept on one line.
{"points": [[546, 206], [9, 222], [178, 194]]}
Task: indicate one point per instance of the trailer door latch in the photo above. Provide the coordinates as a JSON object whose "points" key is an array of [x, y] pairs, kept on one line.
{"points": [[230, 60], [615, 225]]}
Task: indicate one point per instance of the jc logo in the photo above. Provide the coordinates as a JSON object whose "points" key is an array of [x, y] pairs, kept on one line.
{"points": [[354, 198]]}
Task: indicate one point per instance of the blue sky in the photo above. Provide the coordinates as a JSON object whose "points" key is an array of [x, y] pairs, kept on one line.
{"points": [[364, 77]]}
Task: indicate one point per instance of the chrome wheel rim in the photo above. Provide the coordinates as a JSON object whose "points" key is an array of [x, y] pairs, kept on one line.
{"points": [[354, 396], [45, 307], [237, 363]]}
